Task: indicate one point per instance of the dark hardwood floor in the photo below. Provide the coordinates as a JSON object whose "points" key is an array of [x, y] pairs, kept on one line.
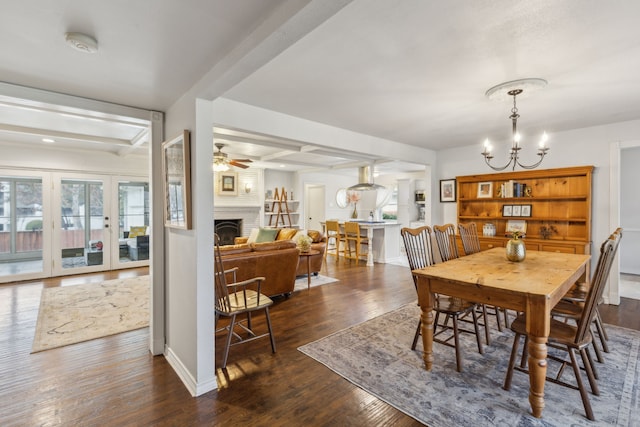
{"points": [[115, 381]]}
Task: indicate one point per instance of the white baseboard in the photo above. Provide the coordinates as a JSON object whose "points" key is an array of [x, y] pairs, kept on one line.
{"points": [[187, 379]]}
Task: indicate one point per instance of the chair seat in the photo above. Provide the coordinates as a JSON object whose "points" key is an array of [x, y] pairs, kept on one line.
{"points": [[560, 333], [450, 305], [238, 305]]}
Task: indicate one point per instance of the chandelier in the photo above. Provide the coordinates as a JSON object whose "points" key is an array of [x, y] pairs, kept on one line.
{"points": [[515, 88]]}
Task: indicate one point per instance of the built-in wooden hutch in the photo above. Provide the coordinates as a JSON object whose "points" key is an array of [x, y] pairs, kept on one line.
{"points": [[555, 205]]}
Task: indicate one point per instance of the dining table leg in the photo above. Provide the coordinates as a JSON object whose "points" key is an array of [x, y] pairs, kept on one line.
{"points": [[426, 300], [538, 326]]}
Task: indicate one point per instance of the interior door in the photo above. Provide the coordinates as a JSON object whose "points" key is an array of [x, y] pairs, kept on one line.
{"points": [[314, 202], [81, 223]]}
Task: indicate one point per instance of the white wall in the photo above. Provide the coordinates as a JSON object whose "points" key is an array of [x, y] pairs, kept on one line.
{"points": [[189, 272]]}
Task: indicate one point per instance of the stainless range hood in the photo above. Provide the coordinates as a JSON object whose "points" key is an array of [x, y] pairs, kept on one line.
{"points": [[365, 180]]}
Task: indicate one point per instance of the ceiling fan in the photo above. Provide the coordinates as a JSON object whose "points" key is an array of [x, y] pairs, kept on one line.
{"points": [[221, 163]]}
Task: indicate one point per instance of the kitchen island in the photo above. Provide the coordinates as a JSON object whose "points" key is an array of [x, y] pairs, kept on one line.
{"points": [[384, 239]]}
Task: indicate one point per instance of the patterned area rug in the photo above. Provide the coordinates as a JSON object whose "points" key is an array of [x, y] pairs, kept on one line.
{"points": [[376, 356], [319, 280], [72, 314]]}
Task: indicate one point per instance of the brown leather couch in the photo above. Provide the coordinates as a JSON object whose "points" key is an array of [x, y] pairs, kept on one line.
{"points": [[276, 261], [319, 243]]}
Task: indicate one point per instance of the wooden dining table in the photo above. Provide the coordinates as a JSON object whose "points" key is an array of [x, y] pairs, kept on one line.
{"points": [[533, 286]]}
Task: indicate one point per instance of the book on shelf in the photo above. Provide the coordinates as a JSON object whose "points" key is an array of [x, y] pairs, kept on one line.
{"points": [[513, 188]]}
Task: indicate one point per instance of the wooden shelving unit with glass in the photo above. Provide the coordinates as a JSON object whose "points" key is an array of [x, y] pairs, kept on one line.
{"points": [[559, 200]]}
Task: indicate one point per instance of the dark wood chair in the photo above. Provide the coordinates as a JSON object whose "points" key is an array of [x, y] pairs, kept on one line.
{"points": [[446, 240], [469, 236], [419, 250], [471, 245], [237, 298], [571, 338], [571, 307]]}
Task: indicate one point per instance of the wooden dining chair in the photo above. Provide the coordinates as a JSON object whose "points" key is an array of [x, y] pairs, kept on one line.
{"points": [[237, 298], [571, 307], [446, 240], [568, 337], [448, 249], [469, 236], [354, 241], [335, 239], [419, 250], [471, 245]]}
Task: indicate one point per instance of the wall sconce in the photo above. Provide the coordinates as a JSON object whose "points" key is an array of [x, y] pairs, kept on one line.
{"points": [[247, 187]]}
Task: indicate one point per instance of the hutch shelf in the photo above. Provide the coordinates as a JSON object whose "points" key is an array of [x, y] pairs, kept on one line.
{"points": [[554, 204]]}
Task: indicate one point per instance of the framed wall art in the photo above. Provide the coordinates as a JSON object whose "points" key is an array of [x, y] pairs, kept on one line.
{"points": [[448, 190], [227, 183], [176, 170]]}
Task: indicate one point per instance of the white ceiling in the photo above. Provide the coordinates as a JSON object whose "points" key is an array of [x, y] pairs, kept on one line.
{"points": [[411, 71]]}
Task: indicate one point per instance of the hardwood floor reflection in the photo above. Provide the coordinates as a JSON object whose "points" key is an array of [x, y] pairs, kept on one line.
{"points": [[115, 381]]}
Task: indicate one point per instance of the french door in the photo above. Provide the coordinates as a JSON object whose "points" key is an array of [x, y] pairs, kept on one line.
{"points": [[81, 223], [103, 223], [54, 224]]}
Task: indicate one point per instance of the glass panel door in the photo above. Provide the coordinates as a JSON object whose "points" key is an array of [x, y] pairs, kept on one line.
{"points": [[82, 230], [21, 226], [133, 224]]}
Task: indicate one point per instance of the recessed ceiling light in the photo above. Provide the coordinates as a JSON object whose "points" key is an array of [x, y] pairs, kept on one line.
{"points": [[81, 42], [48, 140], [282, 166]]}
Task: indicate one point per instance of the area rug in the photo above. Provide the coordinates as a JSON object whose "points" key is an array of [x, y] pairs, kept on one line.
{"points": [[319, 280], [376, 356], [72, 314]]}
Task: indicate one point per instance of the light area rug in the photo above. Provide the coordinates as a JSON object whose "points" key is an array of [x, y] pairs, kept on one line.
{"points": [[72, 314], [376, 356], [319, 280]]}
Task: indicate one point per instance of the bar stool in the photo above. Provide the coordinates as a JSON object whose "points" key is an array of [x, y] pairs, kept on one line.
{"points": [[334, 235], [353, 236]]}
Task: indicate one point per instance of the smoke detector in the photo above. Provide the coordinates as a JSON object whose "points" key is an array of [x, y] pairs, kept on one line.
{"points": [[82, 42]]}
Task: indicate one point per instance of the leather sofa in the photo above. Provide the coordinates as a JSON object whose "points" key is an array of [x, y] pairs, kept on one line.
{"points": [[276, 261], [319, 243]]}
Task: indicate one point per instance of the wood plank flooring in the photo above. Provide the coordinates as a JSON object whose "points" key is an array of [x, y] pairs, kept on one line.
{"points": [[115, 381]]}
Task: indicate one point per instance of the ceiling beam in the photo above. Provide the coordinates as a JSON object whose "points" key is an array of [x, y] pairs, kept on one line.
{"points": [[64, 135]]}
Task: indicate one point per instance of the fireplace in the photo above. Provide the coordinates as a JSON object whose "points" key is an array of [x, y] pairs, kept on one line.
{"points": [[228, 230]]}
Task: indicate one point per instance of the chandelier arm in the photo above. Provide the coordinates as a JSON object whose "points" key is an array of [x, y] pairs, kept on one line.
{"points": [[533, 166], [487, 159]]}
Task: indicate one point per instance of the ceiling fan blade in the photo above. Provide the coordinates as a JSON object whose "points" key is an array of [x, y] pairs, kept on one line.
{"points": [[236, 164], [242, 160]]}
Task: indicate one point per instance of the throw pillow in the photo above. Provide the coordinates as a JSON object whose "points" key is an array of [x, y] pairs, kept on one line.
{"points": [[315, 235], [266, 235], [287, 233], [253, 235], [137, 231]]}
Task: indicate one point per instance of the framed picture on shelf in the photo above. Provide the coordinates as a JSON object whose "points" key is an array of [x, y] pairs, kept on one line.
{"points": [[176, 171], [448, 190], [514, 225], [485, 189], [507, 210], [517, 210], [526, 210]]}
